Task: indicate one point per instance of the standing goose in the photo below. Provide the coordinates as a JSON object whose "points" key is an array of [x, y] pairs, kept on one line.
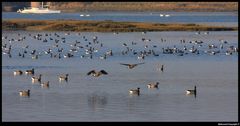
{"points": [[135, 91], [24, 93], [131, 66], [61, 77], [192, 92], [153, 85], [97, 73]]}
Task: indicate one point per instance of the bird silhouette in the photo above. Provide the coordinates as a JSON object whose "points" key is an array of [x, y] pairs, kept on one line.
{"points": [[134, 91], [97, 73], [24, 93], [192, 91], [131, 66], [153, 85], [63, 77]]}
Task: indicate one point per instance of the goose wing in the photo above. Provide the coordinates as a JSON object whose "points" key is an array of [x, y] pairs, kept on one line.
{"points": [[90, 72], [103, 72], [125, 64]]}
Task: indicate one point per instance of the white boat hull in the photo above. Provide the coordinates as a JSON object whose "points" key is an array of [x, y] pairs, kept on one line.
{"points": [[36, 10]]}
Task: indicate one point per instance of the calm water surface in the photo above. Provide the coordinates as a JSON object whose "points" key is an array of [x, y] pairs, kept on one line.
{"points": [[210, 18], [85, 98]]}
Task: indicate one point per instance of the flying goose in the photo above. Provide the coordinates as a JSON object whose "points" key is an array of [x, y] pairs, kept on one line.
{"points": [[131, 66], [97, 73]]}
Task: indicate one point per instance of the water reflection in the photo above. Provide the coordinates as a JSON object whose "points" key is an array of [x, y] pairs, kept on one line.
{"points": [[97, 101]]}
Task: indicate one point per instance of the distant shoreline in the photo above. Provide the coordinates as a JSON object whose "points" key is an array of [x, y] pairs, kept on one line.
{"points": [[104, 26], [130, 6]]}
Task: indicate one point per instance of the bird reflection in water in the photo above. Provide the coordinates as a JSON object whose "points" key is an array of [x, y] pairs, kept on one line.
{"points": [[97, 101]]}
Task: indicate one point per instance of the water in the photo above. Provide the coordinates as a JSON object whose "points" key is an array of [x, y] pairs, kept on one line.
{"points": [[85, 98], [211, 18]]}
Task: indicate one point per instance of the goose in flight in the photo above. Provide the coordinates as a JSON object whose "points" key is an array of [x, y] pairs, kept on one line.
{"points": [[97, 73], [131, 66]]}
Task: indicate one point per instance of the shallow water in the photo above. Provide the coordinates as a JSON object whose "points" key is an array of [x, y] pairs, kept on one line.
{"points": [[86, 98]]}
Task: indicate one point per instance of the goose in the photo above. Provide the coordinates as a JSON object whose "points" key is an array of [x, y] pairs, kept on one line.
{"points": [[24, 93], [18, 72], [97, 73], [61, 77], [141, 57], [228, 53], [191, 92], [45, 85], [162, 68], [135, 91], [153, 85], [131, 66], [103, 57], [36, 79], [29, 71], [35, 57]]}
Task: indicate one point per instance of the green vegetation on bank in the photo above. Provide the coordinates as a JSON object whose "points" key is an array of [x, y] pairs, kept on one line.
{"points": [[104, 26]]}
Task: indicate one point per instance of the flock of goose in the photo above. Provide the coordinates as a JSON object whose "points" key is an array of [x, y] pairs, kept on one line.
{"points": [[90, 48], [94, 73]]}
